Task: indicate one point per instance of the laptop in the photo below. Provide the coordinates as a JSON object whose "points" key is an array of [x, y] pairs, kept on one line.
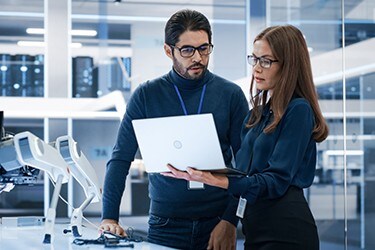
{"points": [[182, 141]]}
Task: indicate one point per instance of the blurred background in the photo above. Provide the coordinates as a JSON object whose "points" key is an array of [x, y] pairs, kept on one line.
{"points": [[86, 49]]}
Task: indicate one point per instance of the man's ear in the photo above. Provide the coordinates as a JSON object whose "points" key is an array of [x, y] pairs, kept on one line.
{"points": [[168, 50]]}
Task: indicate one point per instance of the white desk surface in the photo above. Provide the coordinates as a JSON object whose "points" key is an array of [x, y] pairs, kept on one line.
{"points": [[31, 238]]}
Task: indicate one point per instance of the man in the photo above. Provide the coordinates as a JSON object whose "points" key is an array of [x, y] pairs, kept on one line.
{"points": [[181, 217]]}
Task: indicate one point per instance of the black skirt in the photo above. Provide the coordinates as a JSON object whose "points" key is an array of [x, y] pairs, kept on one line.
{"points": [[283, 223]]}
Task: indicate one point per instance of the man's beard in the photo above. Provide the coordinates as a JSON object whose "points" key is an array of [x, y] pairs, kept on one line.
{"points": [[184, 72]]}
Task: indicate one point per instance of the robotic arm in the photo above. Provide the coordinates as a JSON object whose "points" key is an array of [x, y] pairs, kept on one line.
{"points": [[32, 151], [12, 172], [84, 173], [22, 157]]}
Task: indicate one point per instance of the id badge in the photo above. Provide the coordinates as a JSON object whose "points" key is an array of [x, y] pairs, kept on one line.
{"points": [[241, 207], [195, 185]]}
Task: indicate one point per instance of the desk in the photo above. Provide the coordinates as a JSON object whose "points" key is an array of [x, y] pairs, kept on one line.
{"points": [[31, 238]]}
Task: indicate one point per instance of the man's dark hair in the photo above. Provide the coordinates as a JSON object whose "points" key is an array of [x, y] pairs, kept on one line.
{"points": [[185, 20]]}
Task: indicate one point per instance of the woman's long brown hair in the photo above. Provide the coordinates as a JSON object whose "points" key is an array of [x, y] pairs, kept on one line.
{"points": [[289, 48]]}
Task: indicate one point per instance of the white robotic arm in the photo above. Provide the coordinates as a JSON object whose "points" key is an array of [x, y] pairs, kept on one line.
{"points": [[84, 173], [23, 155], [32, 151]]}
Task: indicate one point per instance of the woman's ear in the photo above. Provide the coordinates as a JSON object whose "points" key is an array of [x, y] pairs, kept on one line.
{"points": [[168, 50]]}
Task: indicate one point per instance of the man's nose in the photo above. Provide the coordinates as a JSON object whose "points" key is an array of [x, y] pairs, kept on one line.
{"points": [[197, 56]]}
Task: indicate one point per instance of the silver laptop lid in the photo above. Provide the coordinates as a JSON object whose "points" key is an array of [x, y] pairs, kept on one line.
{"points": [[183, 141]]}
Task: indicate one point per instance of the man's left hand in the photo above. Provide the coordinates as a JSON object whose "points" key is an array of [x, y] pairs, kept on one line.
{"points": [[223, 236]]}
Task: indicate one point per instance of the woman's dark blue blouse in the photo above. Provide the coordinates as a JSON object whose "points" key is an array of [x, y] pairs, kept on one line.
{"points": [[277, 160]]}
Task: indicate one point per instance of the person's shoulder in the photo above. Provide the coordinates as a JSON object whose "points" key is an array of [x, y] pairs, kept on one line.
{"points": [[153, 83], [299, 105], [298, 101]]}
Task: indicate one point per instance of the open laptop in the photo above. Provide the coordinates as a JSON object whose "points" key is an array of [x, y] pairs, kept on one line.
{"points": [[182, 141]]}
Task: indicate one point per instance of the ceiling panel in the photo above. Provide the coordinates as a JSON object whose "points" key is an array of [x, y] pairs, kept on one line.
{"points": [[17, 15]]}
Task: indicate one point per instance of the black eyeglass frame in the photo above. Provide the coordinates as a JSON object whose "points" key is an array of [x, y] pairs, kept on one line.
{"points": [[210, 49], [261, 60]]}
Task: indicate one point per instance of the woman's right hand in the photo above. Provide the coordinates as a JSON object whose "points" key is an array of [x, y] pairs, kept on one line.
{"points": [[112, 226]]}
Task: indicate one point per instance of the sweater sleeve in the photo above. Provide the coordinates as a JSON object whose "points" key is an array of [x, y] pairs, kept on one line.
{"points": [[285, 160], [122, 155], [230, 212]]}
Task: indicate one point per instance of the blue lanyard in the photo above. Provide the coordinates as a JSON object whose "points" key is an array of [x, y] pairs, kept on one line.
{"points": [[182, 101]]}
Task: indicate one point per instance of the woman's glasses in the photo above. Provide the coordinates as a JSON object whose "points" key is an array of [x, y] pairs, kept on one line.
{"points": [[263, 62]]}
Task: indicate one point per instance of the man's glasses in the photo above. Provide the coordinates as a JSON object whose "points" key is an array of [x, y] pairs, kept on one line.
{"points": [[263, 62], [189, 51]]}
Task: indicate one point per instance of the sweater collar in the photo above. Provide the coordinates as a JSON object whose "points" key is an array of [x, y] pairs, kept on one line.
{"points": [[183, 83]]}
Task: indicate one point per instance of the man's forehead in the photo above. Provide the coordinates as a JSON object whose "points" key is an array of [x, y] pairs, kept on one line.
{"points": [[193, 38]]}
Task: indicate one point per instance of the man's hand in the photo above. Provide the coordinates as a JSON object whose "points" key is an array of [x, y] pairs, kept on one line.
{"points": [[111, 226], [223, 236]]}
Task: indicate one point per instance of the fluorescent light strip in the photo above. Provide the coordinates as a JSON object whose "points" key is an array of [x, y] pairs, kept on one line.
{"points": [[148, 19], [84, 32], [135, 18], [42, 44], [341, 152], [20, 14], [128, 18], [38, 31], [35, 31]]}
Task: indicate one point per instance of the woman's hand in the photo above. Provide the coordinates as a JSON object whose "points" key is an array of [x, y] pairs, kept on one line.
{"points": [[191, 174]]}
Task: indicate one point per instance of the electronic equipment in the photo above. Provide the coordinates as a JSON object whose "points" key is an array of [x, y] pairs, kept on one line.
{"points": [[23, 155]]}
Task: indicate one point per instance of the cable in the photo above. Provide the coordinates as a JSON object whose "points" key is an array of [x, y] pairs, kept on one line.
{"points": [[107, 238], [112, 240], [72, 207], [91, 223]]}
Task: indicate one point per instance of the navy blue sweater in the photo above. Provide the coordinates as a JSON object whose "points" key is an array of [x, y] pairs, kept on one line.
{"points": [[158, 98], [283, 158]]}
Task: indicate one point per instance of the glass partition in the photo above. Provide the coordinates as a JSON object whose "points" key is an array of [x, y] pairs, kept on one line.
{"points": [[119, 46], [359, 28], [343, 70], [21, 75]]}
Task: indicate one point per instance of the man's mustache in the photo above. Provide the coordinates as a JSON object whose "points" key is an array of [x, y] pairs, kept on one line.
{"points": [[197, 65]]}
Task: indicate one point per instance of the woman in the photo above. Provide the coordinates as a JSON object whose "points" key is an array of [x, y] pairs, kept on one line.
{"points": [[278, 146]]}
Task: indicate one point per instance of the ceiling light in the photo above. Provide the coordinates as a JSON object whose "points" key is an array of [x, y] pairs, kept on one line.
{"points": [[342, 152], [84, 32], [30, 44], [34, 31], [42, 44], [75, 45], [38, 31]]}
